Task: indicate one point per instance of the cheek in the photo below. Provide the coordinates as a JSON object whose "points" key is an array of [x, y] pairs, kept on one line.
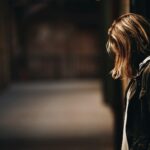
{"points": [[114, 54], [113, 57]]}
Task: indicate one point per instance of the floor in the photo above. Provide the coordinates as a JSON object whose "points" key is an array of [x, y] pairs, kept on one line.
{"points": [[65, 115]]}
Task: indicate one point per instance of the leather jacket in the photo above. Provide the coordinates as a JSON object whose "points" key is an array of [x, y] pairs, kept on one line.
{"points": [[138, 120]]}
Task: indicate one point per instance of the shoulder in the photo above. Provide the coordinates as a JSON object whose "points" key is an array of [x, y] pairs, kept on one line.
{"points": [[146, 70], [144, 81], [146, 76]]}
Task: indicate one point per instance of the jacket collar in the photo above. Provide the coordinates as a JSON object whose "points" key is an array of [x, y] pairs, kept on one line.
{"points": [[144, 62], [141, 65]]}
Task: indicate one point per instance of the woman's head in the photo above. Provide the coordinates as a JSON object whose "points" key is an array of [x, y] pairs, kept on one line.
{"points": [[129, 40]]}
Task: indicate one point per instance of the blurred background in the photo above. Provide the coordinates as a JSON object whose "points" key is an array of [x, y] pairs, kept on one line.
{"points": [[56, 92]]}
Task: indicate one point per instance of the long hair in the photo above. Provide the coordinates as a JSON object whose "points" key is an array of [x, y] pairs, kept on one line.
{"points": [[128, 39]]}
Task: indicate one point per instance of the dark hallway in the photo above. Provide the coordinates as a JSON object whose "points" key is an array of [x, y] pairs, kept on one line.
{"points": [[65, 115], [56, 92]]}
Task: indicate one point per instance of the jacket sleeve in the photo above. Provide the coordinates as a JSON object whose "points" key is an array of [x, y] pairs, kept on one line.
{"points": [[142, 142], [145, 83]]}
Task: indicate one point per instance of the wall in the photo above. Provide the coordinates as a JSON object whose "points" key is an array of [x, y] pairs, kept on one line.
{"points": [[4, 44]]}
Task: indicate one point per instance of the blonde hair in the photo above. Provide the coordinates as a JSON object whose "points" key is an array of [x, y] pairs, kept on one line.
{"points": [[128, 38]]}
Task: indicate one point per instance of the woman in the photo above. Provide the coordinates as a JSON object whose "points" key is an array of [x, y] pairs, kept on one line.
{"points": [[129, 41]]}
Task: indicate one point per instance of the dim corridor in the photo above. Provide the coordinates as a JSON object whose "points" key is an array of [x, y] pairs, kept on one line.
{"points": [[64, 115]]}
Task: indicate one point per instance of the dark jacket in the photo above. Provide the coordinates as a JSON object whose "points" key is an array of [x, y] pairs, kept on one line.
{"points": [[138, 120]]}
